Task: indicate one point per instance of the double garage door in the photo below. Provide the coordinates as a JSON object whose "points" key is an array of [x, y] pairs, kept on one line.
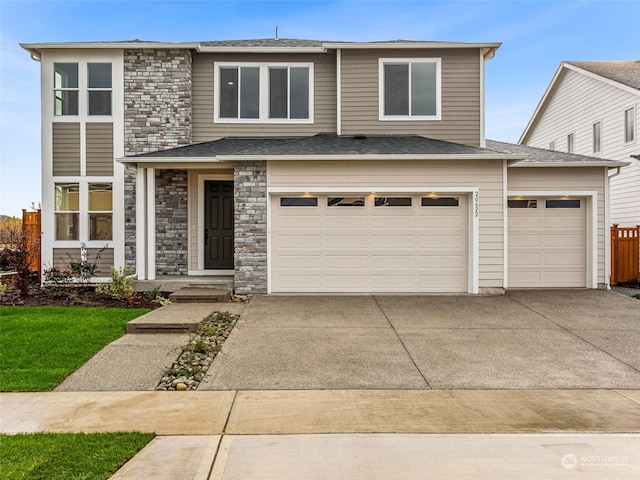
{"points": [[369, 243], [547, 243]]}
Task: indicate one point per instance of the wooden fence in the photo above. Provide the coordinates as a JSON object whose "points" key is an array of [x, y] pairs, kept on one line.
{"points": [[32, 228], [625, 254]]}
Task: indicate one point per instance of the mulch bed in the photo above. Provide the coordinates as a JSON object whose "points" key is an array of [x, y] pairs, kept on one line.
{"points": [[75, 296]]}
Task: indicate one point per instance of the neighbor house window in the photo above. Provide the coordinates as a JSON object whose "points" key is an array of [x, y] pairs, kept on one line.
{"points": [[100, 211], [552, 145], [67, 211], [409, 89], [570, 139], [264, 92], [65, 88], [99, 88], [597, 137], [629, 125]]}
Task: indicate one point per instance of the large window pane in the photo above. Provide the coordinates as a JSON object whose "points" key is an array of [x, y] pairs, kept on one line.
{"points": [[99, 102], [100, 226], [228, 93], [99, 75], [299, 86], [396, 89], [67, 197], [65, 75], [67, 226], [249, 92], [100, 197], [65, 102], [423, 88], [278, 102]]}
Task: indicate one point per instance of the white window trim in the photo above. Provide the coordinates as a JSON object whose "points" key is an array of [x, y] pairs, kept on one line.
{"points": [[624, 125], [409, 118], [264, 93]]}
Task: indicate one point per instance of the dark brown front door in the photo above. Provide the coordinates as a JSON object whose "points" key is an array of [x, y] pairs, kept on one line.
{"points": [[218, 225]]}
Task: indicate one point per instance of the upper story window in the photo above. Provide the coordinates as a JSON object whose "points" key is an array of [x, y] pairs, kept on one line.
{"points": [[597, 137], [68, 82], [409, 89], [629, 125], [570, 143], [253, 92]]}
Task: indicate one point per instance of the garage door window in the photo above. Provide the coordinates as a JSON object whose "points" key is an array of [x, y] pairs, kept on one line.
{"points": [[522, 203], [392, 201], [563, 203], [345, 202], [440, 202], [299, 202]]}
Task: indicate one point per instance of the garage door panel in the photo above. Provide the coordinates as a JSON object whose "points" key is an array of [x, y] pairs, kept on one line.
{"points": [[547, 246], [370, 249]]}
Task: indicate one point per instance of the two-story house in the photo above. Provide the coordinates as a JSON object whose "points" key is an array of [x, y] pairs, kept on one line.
{"points": [[307, 166], [593, 108]]}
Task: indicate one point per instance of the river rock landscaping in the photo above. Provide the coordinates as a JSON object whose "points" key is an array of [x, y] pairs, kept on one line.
{"points": [[189, 369]]}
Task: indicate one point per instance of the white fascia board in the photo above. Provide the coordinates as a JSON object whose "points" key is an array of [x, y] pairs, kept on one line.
{"points": [[143, 161], [401, 45], [541, 104], [609, 164], [105, 45], [214, 49], [338, 157]]}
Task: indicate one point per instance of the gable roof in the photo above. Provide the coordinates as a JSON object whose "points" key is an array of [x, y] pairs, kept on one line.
{"points": [[541, 157], [622, 74]]}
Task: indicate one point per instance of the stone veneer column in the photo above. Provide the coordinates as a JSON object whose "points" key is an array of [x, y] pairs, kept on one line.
{"points": [[171, 222], [157, 116], [250, 235]]}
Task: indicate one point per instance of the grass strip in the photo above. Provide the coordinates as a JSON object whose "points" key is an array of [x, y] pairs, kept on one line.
{"points": [[68, 456], [41, 346]]}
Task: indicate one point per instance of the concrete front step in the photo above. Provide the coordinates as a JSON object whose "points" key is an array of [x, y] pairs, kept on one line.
{"points": [[174, 318], [173, 283], [200, 295]]}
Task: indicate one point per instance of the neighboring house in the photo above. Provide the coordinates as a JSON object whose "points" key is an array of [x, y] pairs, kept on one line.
{"points": [[307, 166], [593, 108]]}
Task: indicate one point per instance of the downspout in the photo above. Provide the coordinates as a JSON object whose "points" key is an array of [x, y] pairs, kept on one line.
{"points": [[607, 222]]}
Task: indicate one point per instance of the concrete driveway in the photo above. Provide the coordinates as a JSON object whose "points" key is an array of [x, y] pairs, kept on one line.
{"points": [[522, 340]]}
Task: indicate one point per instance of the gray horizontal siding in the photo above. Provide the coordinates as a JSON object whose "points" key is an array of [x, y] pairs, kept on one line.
{"points": [[460, 95], [66, 149], [203, 92], [63, 256], [100, 149]]}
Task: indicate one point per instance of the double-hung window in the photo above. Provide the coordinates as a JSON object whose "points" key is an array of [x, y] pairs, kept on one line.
{"points": [[629, 125], [65, 89], [410, 89], [257, 92]]}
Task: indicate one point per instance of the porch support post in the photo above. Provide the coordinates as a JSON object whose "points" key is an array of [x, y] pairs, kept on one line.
{"points": [[141, 223], [151, 224]]}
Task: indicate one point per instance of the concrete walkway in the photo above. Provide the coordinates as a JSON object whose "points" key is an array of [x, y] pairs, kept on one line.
{"points": [[376, 387]]}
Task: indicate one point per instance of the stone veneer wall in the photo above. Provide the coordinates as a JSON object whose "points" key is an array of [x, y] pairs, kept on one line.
{"points": [[157, 116], [171, 222], [250, 209]]}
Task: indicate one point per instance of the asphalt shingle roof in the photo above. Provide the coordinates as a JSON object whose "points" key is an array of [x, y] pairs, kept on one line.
{"points": [[536, 156], [625, 72], [265, 43], [322, 144]]}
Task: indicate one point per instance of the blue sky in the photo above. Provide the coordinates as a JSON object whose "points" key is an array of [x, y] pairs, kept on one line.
{"points": [[536, 37]]}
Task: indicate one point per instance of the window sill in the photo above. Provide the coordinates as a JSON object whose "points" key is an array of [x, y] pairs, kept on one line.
{"points": [[243, 121], [409, 118]]}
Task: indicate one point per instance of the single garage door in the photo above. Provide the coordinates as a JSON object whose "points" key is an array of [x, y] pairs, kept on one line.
{"points": [[369, 243], [547, 243]]}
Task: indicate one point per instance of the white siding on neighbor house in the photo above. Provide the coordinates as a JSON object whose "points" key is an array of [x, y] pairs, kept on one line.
{"points": [[486, 175], [565, 180], [576, 103]]}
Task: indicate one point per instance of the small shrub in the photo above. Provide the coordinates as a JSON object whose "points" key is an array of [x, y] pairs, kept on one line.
{"points": [[209, 330], [120, 285], [83, 270], [3, 289], [16, 258], [637, 295], [156, 297]]}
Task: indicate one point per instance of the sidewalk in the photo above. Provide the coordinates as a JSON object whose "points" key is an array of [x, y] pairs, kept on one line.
{"points": [[293, 434]]}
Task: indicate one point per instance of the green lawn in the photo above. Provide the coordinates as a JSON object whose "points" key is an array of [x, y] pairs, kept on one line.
{"points": [[41, 346], [67, 456]]}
